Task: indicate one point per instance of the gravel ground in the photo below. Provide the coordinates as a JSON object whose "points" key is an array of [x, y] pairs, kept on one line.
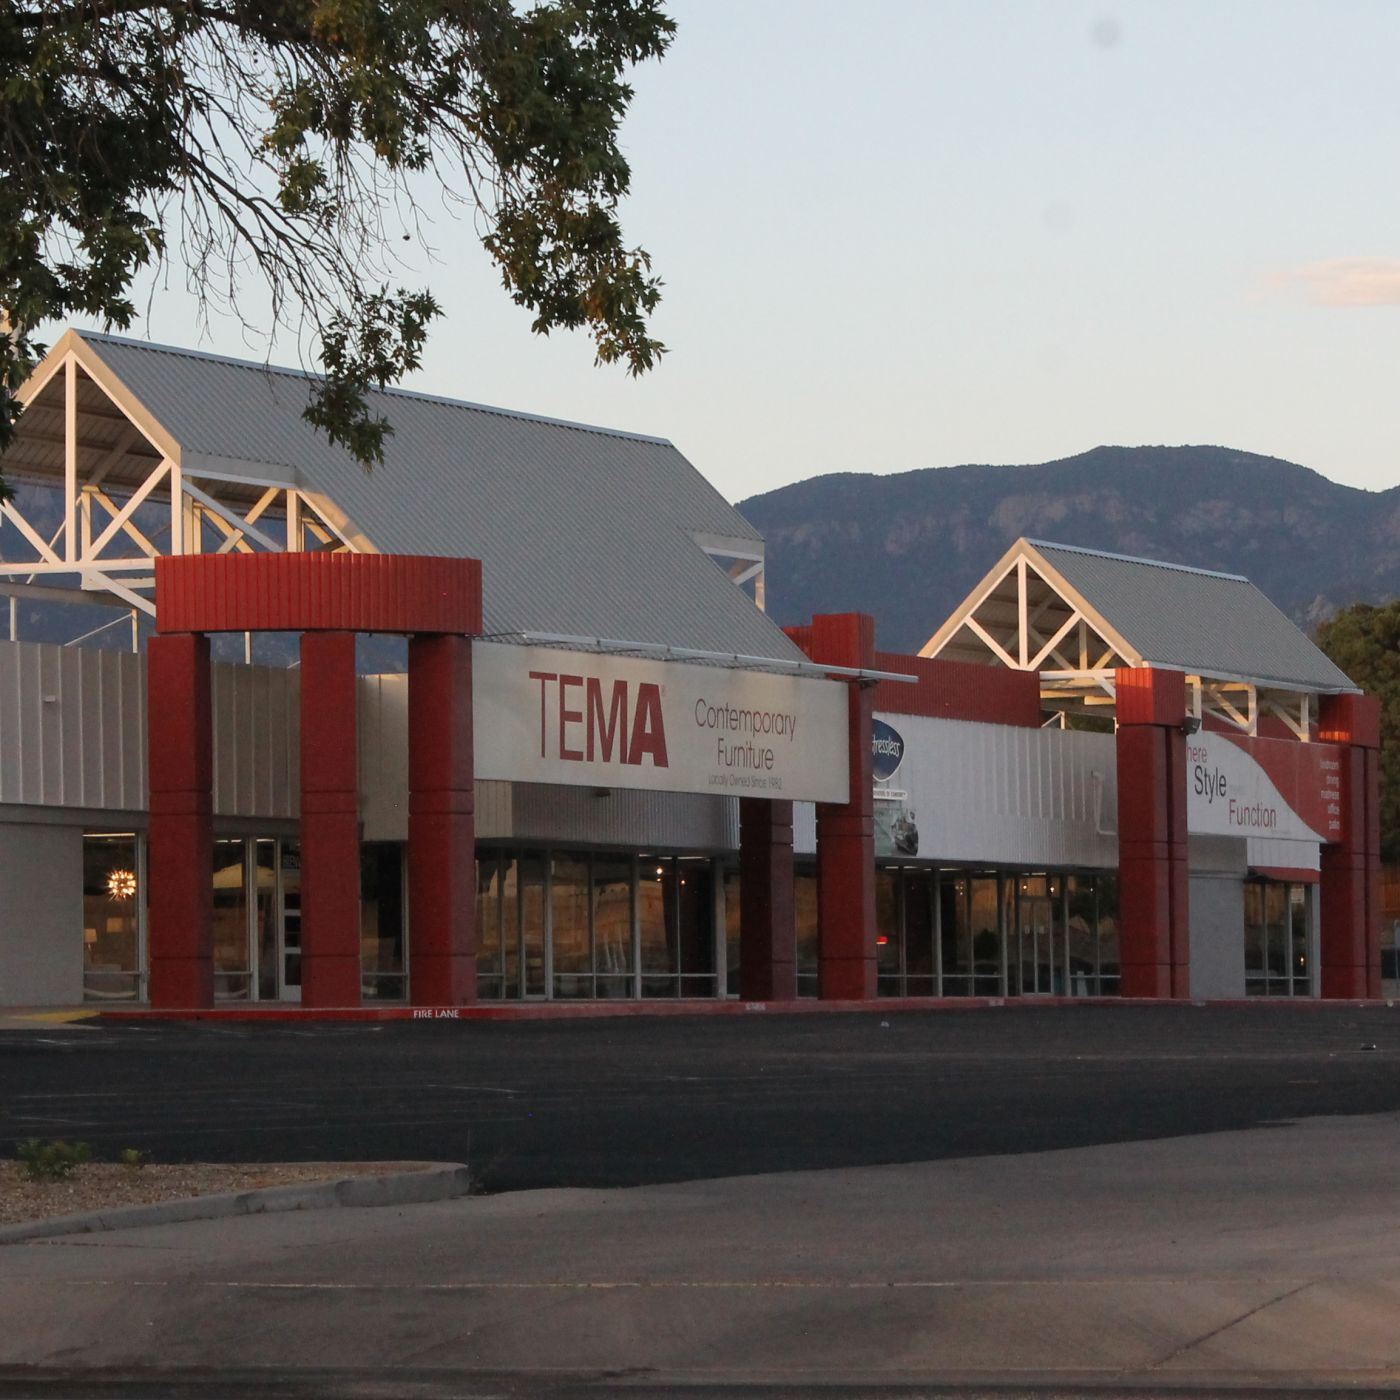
{"points": [[99, 1185]]}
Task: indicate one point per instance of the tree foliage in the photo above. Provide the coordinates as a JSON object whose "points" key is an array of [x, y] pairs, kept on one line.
{"points": [[286, 145], [1365, 642]]}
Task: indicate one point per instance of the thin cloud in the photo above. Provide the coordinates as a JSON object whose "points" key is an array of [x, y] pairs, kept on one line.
{"points": [[1345, 281]]}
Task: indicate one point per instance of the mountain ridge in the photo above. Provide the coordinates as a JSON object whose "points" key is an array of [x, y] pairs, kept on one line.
{"points": [[909, 547]]}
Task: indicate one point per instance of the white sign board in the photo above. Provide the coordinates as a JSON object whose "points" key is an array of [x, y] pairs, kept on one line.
{"points": [[546, 716], [1229, 793]]}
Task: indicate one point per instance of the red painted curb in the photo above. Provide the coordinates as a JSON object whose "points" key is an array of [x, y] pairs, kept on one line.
{"points": [[558, 1011]]}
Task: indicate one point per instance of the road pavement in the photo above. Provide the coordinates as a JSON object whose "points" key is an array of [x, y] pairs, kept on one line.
{"points": [[1266, 1259], [636, 1101]]}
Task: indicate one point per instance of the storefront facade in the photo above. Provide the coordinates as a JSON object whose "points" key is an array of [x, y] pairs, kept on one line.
{"points": [[457, 735]]}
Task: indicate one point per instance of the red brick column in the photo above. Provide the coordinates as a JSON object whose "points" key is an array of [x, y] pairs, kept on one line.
{"points": [[1154, 913], [846, 831], [441, 822], [180, 841], [1350, 924], [767, 937], [330, 822]]}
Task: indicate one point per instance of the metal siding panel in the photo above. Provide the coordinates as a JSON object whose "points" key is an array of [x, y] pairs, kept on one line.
{"points": [[135, 738], [996, 794], [493, 802], [49, 727], [318, 591], [225, 795], [260, 735], [281, 718], [11, 775], [71, 721], [626, 819], [107, 692]]}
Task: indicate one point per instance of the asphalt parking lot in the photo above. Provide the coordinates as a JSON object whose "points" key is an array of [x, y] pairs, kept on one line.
{"points": [[637, 1101]]}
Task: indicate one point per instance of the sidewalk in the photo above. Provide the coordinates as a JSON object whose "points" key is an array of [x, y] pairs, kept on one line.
{"points": [[1267, 1257]]}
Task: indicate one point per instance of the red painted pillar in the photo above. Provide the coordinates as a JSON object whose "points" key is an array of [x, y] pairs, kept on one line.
{"points": [[1350, 924], [441, 822], [1154, 911], [767, 936], [180, 841], [846, 831], [330, 822]]}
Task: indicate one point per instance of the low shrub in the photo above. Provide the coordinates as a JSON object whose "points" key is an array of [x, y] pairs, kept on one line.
{"points": [[51, 1161]]}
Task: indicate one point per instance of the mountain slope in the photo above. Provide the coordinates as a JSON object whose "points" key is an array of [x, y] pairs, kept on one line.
{"points": [[909, 548]]}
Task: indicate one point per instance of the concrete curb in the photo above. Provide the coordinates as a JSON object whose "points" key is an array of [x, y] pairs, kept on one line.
{"points": [[444, 1181]]}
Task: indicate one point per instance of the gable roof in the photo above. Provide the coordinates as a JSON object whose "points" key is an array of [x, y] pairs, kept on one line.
{"points": [[580, 530], [1153, 613]]}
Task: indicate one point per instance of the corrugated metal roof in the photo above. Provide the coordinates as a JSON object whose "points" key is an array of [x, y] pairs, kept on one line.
{"points": [[1199, 622], [580, 530]]}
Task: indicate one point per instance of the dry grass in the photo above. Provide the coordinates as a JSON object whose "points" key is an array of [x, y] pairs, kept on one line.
{"points": [[100, 1185]]}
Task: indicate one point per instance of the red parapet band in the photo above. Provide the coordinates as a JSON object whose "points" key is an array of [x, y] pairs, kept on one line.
{"points": [[317, 592]]}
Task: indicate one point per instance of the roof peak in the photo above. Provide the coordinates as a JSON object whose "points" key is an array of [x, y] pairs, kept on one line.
{"points": [[290, 373], [1133, 559]]}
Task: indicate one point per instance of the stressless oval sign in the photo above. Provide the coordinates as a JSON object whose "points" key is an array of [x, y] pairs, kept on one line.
{"points": [[888, 746]]}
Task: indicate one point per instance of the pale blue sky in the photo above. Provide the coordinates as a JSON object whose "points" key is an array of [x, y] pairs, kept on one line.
{"points": [[900, 235]]}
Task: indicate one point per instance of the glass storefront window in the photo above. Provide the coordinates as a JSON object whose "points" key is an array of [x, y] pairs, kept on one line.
{"points": [[1106, 902], [570, 900], [232, 974], [1277, 960], [889, 943], [290, 898], [652, 889], [111, 917], [804, 912], [955, 934], [731, 930], [532, 926], [986, 937], [606, 924], [612, 925], [488, 925], [383, 975], [955, 937], [265, 913]]}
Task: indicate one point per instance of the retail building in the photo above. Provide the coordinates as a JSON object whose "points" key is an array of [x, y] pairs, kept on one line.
{"points": [[505, 721]]}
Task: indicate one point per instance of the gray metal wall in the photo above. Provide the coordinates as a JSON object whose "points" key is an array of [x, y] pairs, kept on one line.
{"points": [[73, 732], [1218, 871], [72, 727], [41, 914]]}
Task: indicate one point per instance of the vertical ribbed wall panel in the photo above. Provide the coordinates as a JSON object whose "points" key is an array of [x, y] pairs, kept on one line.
{"points": [[318, 591], [72, 727], [256, 751], [495, 810], [1005, 794], [383, 743], [625, 819]]}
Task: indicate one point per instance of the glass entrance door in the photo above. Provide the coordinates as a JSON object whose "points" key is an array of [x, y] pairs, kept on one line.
{"points": [[257, 919], [1040, 954]]}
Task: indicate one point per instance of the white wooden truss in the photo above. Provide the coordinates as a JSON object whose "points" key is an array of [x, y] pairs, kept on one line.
{"points": [[89, 444], [1027, 616]]}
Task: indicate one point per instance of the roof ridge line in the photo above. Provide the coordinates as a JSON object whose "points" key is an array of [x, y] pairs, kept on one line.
{"points": [[289, 372], [1134, 559]]}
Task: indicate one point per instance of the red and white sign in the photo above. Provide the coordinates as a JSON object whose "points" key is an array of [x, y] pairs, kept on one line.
{"points": [[1238, 786], [584, 720]]}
